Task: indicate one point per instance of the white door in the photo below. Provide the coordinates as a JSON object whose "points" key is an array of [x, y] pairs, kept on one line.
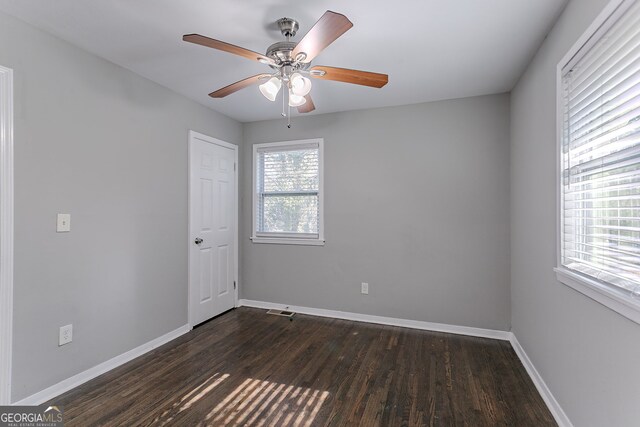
{"points": [[212, 227]]}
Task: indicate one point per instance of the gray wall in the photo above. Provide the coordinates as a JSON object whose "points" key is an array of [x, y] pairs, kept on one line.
{"points": [[109, 147], [416, 204], [587, 354]]}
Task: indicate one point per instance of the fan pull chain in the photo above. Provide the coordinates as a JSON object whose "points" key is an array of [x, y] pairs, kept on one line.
{"points": [[283, 113], [288, 105]]}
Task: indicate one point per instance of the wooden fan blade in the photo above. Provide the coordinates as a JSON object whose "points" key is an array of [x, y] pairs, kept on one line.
{"points": [[328, 28], [234, 87], [227, 47], [308, 106], [346, 75]]}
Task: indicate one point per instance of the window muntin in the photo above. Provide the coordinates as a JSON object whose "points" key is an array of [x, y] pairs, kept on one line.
{"points": [[287, 190], [600, 157]]}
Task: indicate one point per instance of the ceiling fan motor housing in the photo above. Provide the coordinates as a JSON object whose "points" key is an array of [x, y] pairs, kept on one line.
{"points": [[281, 53], [288, 26]]}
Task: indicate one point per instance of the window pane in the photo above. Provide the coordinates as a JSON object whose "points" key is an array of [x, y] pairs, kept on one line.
{"points": [[601, 158], [289, 171], [289, 214], [287, 189]]}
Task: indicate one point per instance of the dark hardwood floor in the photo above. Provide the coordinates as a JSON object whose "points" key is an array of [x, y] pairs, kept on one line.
{"points": [[249, 368]]}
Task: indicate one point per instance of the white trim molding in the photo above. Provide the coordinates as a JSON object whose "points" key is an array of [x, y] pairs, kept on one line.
{"points": [[615, 299], [6, 232], [285, 241], [91, 373], [392, 321], [554, 407]]}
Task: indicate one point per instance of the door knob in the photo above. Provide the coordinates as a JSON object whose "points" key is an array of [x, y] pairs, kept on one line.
{"points": [[198, 241]]}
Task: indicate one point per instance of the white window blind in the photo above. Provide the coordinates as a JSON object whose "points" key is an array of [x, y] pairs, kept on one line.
{"points": [[600, 188], [287, 194]]}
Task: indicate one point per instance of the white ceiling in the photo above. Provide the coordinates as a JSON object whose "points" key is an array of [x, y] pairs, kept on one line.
{"points": [[431, 49]]}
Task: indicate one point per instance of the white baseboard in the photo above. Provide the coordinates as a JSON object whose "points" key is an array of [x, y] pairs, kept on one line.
{"points": [[81, 378], [414, 324], [556, 410]]}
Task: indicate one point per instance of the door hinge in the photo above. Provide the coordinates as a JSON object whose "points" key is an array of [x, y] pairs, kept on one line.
{"points": [[234, 284], [234, 166]]}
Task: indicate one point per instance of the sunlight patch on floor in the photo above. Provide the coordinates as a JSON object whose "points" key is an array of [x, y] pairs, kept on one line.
{"points": [[265, 403], [191, 398], [213, 382]]}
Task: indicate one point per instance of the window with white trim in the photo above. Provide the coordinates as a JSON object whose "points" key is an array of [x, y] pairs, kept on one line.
{"points": [[600, 157], [287, 198]]}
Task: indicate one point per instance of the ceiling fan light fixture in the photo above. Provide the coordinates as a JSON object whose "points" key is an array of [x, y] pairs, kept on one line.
{"points": [[271, 88], [292, 63], [296, 100], [300, 85]]}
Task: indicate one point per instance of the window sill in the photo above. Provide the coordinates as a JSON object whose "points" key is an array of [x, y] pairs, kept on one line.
{"points": [[287, 241], [618, 301]]}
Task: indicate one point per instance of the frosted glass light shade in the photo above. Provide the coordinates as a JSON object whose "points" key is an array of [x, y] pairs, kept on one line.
{"points": [[271, 88], [300, 85], [295, 100]]}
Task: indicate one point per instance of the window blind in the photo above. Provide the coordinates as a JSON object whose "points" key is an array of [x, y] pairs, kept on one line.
{"points": [[288, 191], [600, 189]]}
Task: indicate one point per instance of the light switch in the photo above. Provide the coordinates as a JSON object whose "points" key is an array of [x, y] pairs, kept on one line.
{"points": [[64, 223]]}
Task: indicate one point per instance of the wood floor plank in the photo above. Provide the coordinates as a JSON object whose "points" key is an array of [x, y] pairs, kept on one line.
{"points": [[247, 368]]}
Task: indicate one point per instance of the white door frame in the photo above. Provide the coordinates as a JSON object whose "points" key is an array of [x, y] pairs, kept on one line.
{"points": [[6, 232], [192, 137]]}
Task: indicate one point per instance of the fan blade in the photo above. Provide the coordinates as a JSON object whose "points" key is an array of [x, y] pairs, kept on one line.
{"points": [[227, 47], [308, 106], [346, 75], [234, 87], [328, 28]]}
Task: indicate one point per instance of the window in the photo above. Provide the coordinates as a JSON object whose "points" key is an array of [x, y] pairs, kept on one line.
{"points": [[600, 162], [287, 199]]}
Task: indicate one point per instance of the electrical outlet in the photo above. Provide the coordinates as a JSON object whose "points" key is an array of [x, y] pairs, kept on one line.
{"points": [[66, 335], [364, 289], [63, 223]]}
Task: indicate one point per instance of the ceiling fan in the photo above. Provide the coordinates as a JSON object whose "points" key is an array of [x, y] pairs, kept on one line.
{"points": [[291, 62]]}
